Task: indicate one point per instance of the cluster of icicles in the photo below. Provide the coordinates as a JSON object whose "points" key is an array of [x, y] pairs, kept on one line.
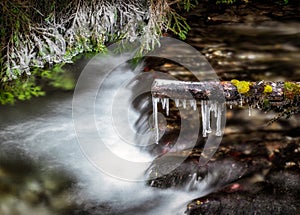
{"points": [[208, 108]]}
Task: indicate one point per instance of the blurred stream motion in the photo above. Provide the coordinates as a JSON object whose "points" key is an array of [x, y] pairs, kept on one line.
{"points": [[39, 148]]}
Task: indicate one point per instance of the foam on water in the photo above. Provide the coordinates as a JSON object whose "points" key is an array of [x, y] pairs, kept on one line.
{"points": [[49, 137]]}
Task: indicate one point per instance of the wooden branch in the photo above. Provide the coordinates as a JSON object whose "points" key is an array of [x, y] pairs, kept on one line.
{"points": [[263, 94]]}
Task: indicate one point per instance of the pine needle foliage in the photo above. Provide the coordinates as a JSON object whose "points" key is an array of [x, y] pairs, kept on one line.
{"points": [[38, 34]]}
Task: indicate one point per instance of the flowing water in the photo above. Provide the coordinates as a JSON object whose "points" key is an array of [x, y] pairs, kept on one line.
{"points": [[43, 130]]}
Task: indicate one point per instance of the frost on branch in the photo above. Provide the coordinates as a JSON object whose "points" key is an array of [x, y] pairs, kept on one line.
{"points": [[213, 96], [73, 27]]}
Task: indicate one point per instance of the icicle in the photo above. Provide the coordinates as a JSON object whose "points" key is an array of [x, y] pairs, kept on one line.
{"points": [[155, 101], [230, 106], [257, 106], [208, 110], [219, 117], [177, 102], [184, 103], [167, 106], [193, 104], [250, 110], [207, 107], [205, 111], [214, 108], [163, 103], [203, 114]]}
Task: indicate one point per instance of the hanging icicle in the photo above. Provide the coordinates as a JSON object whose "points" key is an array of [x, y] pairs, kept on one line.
{"points": [[220, 107], [167, 106], [193, 104], [163, 103], [184, 104], [241, 101], [204, 115], [209, 109], [177, 102], [155, 118]]}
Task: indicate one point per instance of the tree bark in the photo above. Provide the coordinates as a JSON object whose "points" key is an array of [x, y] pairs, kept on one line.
{"points": [[262, 94]]}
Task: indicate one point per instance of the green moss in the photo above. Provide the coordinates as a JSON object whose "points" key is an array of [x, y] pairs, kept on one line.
{"points": [[266, 102], [7, 98], [268, 89], [32, 86], [243, 87], [291, 90], [20, 89], [225, 1], [57, 77], [290, 86], [265, 105], [63, 81]]}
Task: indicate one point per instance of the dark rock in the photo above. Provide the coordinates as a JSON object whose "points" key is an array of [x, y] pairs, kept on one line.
{"points": [[271, 197], [242, 203], [221, 170]]}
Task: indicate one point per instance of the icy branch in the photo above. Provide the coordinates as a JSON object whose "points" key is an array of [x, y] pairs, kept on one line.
{"points": [[283, 97], [255, 94]]}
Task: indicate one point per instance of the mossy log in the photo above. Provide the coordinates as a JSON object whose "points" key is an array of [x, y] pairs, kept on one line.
{"points": [[267, 95]]}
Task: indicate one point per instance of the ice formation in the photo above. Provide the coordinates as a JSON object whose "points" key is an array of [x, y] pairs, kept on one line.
{"points": [[155, 119], [209, 109]]}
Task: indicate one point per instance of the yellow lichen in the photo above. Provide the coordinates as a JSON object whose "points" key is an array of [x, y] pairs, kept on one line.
{"points": [[242, 86], [234, 82], [198, 202], [268, 89]]}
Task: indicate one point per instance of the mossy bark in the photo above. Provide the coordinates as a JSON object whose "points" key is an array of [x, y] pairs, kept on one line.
{"points": [[282, 97]]}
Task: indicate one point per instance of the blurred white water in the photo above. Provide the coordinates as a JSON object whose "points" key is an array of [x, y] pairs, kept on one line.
{"points": [[43, 129]]}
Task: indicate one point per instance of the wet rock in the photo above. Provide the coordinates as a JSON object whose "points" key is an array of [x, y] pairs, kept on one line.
{"points": [[273, 190], [173, 170], [269, 197], [285, 182], [243, 203]]}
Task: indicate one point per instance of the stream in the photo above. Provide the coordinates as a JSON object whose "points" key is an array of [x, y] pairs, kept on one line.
{"points": [[40, 134], [46, 169]]}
